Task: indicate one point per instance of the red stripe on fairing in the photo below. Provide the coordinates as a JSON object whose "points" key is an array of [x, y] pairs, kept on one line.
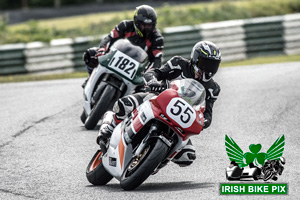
{"points": [[127, 35], [116, 34], [137, 125], [155, 52]]}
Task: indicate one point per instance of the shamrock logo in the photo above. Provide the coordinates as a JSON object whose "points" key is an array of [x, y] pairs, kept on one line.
{"points": [[254, 155]]}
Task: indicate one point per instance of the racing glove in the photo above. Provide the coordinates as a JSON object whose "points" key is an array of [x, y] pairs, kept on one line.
{"points": [[156, 86], [89, 57], [101, 52]]}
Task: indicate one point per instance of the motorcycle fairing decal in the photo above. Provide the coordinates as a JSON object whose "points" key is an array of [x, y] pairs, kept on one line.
{"points": [[124, 65], [160, 106], [112, 161], [121, 149], [181, 112]]}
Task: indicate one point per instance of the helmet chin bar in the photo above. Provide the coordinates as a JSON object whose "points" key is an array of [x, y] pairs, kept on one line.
{"points": [[138, 31], [201, 74], [204, 78]]}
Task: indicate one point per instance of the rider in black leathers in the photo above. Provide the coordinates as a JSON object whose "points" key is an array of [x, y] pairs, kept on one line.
{"points": [[204, 63], [140, 31]]}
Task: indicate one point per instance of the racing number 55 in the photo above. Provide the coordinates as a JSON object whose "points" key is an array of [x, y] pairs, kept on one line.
{"points": [[185, 116]]}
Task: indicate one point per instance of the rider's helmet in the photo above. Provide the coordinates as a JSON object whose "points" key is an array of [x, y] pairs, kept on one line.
{"points": [[205, 59], [144, 20]]}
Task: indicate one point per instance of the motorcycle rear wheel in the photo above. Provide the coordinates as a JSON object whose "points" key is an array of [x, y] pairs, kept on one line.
{"points": [[95, 171], [139, 169], [105, 102]]}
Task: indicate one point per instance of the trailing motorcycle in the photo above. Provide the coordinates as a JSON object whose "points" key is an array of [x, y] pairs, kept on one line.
{"points": [[151, 136], [118, 73]]}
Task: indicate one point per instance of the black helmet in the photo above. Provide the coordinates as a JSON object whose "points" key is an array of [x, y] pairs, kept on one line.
{"points": [[144, 20], [205, 58]]}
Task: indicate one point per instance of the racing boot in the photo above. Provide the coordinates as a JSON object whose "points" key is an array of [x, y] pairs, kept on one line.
{"points": [[106, 130], [186, 156]]}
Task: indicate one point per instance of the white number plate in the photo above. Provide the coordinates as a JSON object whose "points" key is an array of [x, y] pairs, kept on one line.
{"points": [[181, 112], [124, 65]]}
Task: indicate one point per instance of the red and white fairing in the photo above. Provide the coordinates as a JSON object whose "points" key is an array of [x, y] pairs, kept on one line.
{"points": [[169, 108]]}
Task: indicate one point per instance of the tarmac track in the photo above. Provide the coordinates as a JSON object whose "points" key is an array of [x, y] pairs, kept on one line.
{"points": [[44, 149]]}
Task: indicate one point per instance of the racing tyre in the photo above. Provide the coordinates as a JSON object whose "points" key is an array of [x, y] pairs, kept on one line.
{"points": [[105, 102], [139, 169], [83, 117], [95, 171]]}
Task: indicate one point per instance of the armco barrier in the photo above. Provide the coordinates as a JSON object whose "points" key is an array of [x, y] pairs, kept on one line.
{"points": [[237, 39], [12, 59]]}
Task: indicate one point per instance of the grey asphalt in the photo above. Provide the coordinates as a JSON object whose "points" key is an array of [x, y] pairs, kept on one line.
{"points": [[44, 148]]}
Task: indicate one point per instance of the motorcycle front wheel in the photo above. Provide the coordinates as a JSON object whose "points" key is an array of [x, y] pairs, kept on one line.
{"points": [[105, 102], [83, 117], [140, 168], [95, 171]]}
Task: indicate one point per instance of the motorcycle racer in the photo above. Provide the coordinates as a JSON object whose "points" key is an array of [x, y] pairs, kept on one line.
{"points": [[140, 31], [203, 65]]}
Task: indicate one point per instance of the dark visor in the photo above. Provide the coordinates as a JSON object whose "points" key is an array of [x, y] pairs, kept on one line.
{"points": [[209, 66]]}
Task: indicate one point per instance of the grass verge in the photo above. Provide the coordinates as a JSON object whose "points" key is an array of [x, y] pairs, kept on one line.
{"points": [[168, 16]]}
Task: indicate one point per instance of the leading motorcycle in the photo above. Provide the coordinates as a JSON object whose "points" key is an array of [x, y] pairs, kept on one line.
{"points": [[118, 73], [151, 136]]}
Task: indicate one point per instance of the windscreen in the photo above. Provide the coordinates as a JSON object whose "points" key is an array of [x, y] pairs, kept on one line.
{"points": [[192, 91], [135, 52]]}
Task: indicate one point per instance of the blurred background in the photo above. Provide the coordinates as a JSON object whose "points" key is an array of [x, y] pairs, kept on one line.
{"points": [[51, 35]]}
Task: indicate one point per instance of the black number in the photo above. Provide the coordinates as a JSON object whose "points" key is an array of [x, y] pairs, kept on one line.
{"points": [[111, 61], [179, 108], [123, 64], [130, 68], [120, 58], [188, 115]]}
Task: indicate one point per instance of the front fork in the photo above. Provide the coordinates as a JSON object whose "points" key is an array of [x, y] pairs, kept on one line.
{"points": [[152, 134]]}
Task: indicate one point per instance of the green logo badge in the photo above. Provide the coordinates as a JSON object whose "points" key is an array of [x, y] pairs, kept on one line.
{"points": [[255, 164]]}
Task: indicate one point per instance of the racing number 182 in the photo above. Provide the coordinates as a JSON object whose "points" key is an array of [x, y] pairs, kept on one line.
{"points": [[185, 116], [122, 63]]}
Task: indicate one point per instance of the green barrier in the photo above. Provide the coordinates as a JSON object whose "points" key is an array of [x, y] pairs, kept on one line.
{"points": [[264, 37], [12, 59], [237, 39]]}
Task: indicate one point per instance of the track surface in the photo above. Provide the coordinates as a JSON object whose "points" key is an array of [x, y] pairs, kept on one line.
{"points": [[44, 149]]}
